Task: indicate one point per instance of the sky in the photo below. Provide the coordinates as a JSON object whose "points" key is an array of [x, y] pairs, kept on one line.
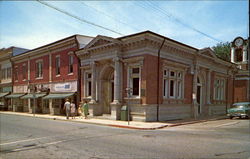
{"points": [[200, 24]]}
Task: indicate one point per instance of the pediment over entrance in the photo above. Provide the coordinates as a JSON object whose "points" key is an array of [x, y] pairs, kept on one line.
{"points": [[101, 41], [208, 52]]}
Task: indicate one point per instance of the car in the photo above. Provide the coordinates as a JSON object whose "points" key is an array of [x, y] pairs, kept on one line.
{"points": [[241, 110]]}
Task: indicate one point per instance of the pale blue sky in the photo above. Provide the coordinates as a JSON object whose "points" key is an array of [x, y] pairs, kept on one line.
{"points": [[30, 24]]}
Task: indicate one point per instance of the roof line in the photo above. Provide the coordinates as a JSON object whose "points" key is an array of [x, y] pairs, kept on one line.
{"points": [[46, 45], [148, 31]]}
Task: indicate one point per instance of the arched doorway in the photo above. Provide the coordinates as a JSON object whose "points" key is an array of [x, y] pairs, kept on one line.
{"points": [[199, 95], [107, 89]]}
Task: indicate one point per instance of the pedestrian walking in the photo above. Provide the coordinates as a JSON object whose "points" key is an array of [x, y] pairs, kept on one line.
{"points": [[80, 109], [66, 107], [85, 109], [73, 109]]}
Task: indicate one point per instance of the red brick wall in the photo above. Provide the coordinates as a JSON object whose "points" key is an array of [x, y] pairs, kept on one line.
{"points": [[240, 90], [150, 78], [229, 91], [20, 73], [33, 68], [64, 69], [188, 88]]}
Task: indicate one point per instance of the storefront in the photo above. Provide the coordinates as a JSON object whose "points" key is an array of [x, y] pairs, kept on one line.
{"points": [[4, 102], [34, 99], [16, 102], [55, 102]]}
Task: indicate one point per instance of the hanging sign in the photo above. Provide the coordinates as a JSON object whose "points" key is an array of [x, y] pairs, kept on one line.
{"points": [[62, 87]]}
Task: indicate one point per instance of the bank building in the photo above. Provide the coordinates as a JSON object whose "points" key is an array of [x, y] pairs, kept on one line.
{"points": [[158, 78]]}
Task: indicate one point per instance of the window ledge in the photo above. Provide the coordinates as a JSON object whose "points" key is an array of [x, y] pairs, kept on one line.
{"points": [[38, 78], [58, 75], [70, 74]]}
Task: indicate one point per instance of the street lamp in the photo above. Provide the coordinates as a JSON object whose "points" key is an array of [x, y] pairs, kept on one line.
{"points": [[129, 91]]}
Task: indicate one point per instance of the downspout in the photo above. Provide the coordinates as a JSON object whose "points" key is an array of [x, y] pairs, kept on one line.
{"points": [[79, 75], [158, 80]]}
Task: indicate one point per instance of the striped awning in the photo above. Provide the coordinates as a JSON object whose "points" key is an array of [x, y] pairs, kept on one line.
{"points": [[14, 95], [58, 95], [3, 94], [36, 95]]}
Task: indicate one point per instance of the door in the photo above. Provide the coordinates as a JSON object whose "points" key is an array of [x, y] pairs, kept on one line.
{"points": [[199, 95], [106, 98]]}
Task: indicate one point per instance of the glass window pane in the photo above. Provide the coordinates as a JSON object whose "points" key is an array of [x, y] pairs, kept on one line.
{"points": [[135, 86], [172, 73], [135, 70], [171, 93], [89, 88]]}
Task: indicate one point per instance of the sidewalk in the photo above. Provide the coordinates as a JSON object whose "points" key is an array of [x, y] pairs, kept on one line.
{"points": [[121, 124]]}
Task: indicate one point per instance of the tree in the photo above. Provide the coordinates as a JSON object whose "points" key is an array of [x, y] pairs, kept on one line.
{"points": [[222, 51]]}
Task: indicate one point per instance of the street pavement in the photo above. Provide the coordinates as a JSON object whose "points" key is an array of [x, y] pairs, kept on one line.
{"points": [[121, 124], [28, 137]]}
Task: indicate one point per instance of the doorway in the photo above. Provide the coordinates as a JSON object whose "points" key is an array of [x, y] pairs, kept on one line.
{"points": [[107, 89], [199, 95]]}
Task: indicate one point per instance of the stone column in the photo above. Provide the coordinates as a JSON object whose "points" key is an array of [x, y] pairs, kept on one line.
{"points": [[208, 86], [93, 83], [117, 84], [194, 95], [244, 53], [232, 54]]}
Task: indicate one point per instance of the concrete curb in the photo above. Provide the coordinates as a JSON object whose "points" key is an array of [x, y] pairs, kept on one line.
{"points": [[194, 122], [114, 125]]}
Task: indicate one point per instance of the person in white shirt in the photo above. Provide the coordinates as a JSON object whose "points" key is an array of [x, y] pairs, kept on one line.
{"points": [[66, 107]]}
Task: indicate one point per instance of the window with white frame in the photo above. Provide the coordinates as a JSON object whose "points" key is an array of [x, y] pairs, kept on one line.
{"points": [[88, 84], [9, 72], [71, 58], [219, 89], [16, 73], [58, 65], [3, 73], [39, 69], [24, 71], [135, 80], [172, 84]]}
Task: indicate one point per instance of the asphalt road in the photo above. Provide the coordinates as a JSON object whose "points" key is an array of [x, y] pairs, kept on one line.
{"points": [[28, 137]]}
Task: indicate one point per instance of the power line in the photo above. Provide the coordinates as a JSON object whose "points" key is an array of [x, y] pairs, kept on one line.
{"points": [[171, 16], [78, 18], [103, 13]]}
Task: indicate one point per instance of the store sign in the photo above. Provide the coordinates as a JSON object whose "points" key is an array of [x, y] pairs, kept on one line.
{"points": [[62, 87]]}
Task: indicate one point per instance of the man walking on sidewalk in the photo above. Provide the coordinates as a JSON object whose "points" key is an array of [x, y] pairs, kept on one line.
{"points": [[67, 106]]}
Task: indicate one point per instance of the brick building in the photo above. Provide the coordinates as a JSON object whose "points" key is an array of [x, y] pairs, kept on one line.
{"points": [[239, 56], [51, 69], [168, 79], [6, 73]]}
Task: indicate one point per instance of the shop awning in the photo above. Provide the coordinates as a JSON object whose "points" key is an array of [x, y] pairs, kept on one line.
{"points": [[17, 95], [3, 94], [37, 95], [58, 96]]}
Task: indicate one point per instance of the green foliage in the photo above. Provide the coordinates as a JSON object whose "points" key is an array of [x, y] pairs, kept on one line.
{"points": [[222, 51]]}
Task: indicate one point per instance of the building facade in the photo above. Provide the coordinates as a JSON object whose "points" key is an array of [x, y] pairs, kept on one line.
{"points": [[44, 77], [157, 77], [6, 74], [240, 56]]}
